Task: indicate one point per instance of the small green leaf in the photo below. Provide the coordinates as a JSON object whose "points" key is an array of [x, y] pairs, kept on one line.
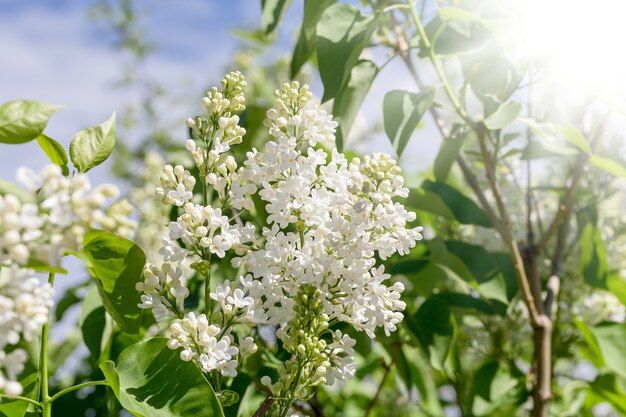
{"points": [[592, 260], [93, 324], [611, 340], [494, 388], [505, 114], [7, 187], [348, 101], [609, 165], [448, 153], [23, 120], [463, 209], [227, 397], [92, 146], [55, 152], [435, 329], [573, 136], [402, 111], [271, 13], [150, 380], [117, 265], [342, 34], [307, 41]]}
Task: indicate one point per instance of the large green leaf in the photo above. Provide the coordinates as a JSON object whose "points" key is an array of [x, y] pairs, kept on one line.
{"points": [[435, 329], [611, 340], [342, 34], [271, 13], [23, 120], [307, 41], [402, 111], [349, 99], [464, 210], [54, 151], [92, 146], [93, 324], [150, 380], [592, 261], [117, 265]]}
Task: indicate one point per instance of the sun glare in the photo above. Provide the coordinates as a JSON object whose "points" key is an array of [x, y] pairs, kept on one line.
{"points": [[582, 41]]}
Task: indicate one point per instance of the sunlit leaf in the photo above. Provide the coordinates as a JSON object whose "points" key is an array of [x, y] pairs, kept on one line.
{"points": [[609, 165], [117, 265], [271, 13], [92, 146], [348, 101], [505, 114], [150, 380], [23, 120], [54, 151]]}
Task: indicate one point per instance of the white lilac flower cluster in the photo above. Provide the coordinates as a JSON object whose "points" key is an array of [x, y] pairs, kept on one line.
{"points": [[47, 219], [313, 264]]}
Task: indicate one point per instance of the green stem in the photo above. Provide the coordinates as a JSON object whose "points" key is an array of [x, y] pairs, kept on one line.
{"points": [[20, 398], [76, 387], [433, 58], [45, 399]]}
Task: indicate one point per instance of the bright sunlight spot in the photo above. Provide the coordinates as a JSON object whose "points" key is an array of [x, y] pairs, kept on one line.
{"points": [[582, 41]]}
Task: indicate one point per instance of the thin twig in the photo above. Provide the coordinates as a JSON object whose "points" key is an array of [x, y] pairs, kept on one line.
{"points": [[265, 405]]}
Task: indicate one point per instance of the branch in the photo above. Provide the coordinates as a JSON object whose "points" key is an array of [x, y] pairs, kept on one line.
{"points": [[387, 367], [265, 405]]}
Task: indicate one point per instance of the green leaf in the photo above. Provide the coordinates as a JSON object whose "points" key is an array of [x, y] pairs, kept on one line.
{"points": [[93, 323], [465, 211], [23, 120], [573, 136], [607, 387], [609, 165], [592, 261], [448, 153], [271, 13], [92, 146], [55, 152], [150, 380], [117, 265], [495, 388], [41, 266], [349, 99], [307, 41], [435, 329], [342, 34], [617, 285], [467, 301], [402, 111], [611, 340], [505, 114]]}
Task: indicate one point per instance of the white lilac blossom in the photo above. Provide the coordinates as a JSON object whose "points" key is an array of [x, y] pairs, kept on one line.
{"points": [[58, 213], [314, 262], [48, 219], [24, 306]]}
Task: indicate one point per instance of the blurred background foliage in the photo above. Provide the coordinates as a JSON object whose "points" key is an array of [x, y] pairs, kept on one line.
{"points": [[466, 346]]}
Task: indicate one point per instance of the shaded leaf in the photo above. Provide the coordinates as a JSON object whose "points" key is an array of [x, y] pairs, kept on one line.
{"points": [[448, 153], [92, 146], [307, 41], [402, 111], [23, 120], [93, 323], [592, 261], [342, 34], [464, 210], [150, 380], [435, 329], [611, 341]]}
